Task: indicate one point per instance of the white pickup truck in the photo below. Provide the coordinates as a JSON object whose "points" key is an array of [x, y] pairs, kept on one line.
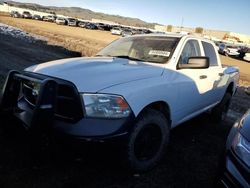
{"points": [[136, 89]]}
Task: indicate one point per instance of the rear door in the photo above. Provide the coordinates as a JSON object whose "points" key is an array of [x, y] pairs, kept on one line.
{"points": [[194, 84], [216, 86]]}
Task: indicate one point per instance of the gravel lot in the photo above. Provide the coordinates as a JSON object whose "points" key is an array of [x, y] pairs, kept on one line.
{"points": [[191, 160]]}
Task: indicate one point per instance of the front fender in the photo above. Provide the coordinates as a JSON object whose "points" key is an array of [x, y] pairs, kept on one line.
{"points": [[141, 93]]}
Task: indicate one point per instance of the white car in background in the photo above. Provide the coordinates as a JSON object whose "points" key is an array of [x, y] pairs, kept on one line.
{"points": [[247, 56], [116, 31], [228, 50], [60, 21], [232, 50], [72, 22]]}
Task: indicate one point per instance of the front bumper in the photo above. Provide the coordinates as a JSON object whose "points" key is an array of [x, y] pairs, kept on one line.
{"points": [[236, 173], [56, 110]]}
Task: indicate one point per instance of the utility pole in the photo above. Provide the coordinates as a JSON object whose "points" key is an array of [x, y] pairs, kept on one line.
{"points": [[182, 20]]}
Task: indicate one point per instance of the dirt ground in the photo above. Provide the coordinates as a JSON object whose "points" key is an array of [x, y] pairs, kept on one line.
{"points": [[18, 54], [194, 150], [244, 67]]}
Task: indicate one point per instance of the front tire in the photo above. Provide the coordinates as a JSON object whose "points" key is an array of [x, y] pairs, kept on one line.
{"points": [[148, 140]]}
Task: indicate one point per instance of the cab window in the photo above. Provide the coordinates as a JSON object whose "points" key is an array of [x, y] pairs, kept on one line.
{"points": [[210, 52], [191, 49]]}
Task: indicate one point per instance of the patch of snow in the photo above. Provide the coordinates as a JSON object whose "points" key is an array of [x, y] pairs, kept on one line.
{"points": [[20, 34]]}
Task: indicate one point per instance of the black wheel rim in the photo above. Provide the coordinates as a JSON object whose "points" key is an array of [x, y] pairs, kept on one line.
{"points": [[148, 142]]}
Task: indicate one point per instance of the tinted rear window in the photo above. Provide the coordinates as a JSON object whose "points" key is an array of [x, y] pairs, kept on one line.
{"points": [[210, 52]]}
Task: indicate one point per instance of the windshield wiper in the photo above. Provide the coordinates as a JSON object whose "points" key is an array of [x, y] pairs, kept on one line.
{"points": [[128, 57], [125, 57], [98, 55], [120, 56]]}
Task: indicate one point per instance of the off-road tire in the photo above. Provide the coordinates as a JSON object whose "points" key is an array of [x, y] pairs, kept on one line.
{"points": [[151, 129]]}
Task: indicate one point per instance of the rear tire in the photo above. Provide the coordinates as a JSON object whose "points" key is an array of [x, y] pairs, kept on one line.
{"points": [[148, 141], [219, 112]]}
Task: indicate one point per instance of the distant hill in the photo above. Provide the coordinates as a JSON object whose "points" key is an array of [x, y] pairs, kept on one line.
{"points": [[83, 13]]}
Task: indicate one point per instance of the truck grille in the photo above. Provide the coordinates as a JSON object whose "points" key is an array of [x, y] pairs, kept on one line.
{"points": [[30, 91], [67, 104]]}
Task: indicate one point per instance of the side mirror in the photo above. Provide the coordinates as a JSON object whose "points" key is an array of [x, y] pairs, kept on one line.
{"points": [[195, 63], [247, 91]]}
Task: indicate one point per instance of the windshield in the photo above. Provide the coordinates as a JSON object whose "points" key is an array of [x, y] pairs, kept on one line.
{"points": [[71, 19], [155, 49]]}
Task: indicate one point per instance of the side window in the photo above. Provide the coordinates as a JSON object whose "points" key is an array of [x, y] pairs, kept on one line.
{"points": [[191, 49], [210, 52]]}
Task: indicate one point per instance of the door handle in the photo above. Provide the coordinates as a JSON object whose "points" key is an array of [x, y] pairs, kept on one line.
{"points": [[221, 74], [203, 76]]}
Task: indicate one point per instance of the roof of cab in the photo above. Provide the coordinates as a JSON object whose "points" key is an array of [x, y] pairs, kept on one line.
{"points": [[175, 35]]}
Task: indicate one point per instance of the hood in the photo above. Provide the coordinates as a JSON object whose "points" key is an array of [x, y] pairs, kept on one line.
{"points": [[95, 74]]}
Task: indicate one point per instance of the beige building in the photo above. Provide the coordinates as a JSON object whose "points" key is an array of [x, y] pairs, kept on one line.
{"points": [[208, 33], [243, 38]]}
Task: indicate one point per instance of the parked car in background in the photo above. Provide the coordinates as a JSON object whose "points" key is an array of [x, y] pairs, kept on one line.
{"points": [[244, 53], [15, 14], [116, 31], [91, 26], [36, 17], [242, 50], [217, 45], [127, 32], [232, 50], [228, 49], [102, 26], [235, 171], [82, 24], [26, 15], [146, 31], [222, 48], [72, 22], [61, 21], [136, 31], [49, 18], [247, 56]]}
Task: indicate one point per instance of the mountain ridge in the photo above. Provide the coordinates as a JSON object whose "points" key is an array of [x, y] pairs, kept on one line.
{"points": [[83, 13]]}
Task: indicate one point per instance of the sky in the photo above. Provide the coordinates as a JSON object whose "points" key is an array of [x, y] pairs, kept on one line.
{"points": [[222, 15]]}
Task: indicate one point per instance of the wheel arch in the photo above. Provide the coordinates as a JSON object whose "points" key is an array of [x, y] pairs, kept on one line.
{"points": [[160, 106]]}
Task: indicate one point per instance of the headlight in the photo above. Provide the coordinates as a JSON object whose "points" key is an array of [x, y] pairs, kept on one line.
{"points": [[105, 106], [241, 147]]}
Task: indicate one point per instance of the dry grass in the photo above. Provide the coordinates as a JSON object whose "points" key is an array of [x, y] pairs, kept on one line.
{"points": [[87, 42]]}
